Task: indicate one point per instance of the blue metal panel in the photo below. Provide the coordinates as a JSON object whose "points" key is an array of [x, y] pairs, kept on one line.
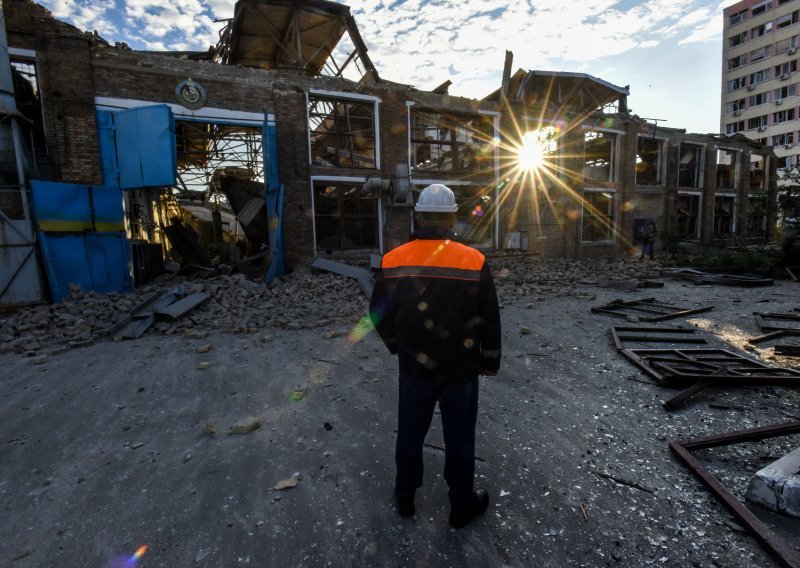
{"points": [[81, 237], [106, 133], [146, 150], [97, 261], [63, 202], [274, 203]]}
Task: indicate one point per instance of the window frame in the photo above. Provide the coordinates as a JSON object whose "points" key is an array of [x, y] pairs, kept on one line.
{"points": [[660, 161], [460, 136], [613, 174], [346, 98], [695, 215], [341, 219], [717, 220], [610, 233], [698, 176]]}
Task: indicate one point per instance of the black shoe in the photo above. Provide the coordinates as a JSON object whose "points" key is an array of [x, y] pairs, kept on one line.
{"points": [[480, 502], [405, 506]]}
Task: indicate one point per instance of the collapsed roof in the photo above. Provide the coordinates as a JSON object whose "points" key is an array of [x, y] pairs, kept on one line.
{"points": [[561, 88], [308, 35]]}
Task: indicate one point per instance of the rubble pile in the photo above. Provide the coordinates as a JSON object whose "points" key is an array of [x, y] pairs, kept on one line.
{"points": [[301, 300], [237, 305], [518, 276]]}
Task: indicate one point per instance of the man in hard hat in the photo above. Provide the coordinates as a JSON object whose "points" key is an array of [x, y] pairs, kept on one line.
{"points": [[435, 306]]}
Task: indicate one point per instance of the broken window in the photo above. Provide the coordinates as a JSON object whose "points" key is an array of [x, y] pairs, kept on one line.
{"points": [[786, 139], [598, 216], [342, 132], [723, 216], [600, 155], [756, 216], [759, 54], [736, 62], [344, 218], [783, 116], [726, 168], [687, 215], [762, 30], [738, 17], [757, 174], [690, 171], [221, 186], [761, 7], [648, 161], [757, 100], [539, 150], [783, 70], [735, 106], [759, 122], [759, 76], [785, 44], [451, 143], [787, 20], [29, 103], [784, 92], [736, 84], [734, 127], [737, 39]]}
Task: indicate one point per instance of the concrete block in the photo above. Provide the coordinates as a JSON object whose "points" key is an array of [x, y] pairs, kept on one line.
{"points": [[777, 486]]}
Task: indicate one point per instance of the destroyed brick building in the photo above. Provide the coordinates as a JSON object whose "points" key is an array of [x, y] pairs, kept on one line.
{"points": [[285, 139]]}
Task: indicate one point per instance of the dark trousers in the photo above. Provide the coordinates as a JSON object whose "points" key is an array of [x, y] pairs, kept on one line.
{"points": [[458, 404]]}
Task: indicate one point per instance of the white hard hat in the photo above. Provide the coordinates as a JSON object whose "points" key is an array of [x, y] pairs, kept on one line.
{"points": [[436, 198]]}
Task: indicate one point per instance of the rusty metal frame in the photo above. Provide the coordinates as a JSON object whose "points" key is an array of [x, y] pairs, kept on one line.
{"points": [[767, 539], [702, 277], [701, 368], [774, 331], [647, 310], [621, 334], [670, 367]]}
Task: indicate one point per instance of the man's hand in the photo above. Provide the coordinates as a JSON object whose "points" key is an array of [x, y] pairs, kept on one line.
{"points": [[487, 373]]}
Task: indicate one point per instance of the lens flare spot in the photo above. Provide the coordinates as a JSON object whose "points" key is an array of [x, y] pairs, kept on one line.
{"points": [[362, 328], [428, 324], [469, 343], [422, 306], [139, 552], [422, 358]]}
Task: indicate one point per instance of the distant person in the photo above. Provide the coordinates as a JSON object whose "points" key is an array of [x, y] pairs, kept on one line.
{"points": [[435, 306], [649, 239]]}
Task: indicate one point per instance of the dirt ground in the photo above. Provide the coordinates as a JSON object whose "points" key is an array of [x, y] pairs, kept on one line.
{"points": [[111, 447]]}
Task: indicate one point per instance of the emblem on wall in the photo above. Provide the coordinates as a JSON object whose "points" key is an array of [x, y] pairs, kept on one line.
{"points": [[190, 94]]}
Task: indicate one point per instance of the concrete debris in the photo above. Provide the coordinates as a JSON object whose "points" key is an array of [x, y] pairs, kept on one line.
{"points": [[203, 365], [286, 484], [245, 428], [304, 299]]}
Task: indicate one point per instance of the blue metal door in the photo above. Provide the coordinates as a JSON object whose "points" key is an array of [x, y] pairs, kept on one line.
{"points": [[137, 147], [82, 237], [274, 203]]}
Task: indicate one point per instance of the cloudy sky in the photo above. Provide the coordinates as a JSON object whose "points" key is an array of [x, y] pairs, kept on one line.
{"points": [[668, 51]]}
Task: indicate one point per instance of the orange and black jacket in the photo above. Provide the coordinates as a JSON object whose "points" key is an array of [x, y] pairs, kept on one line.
{"points": [[435, 305]]}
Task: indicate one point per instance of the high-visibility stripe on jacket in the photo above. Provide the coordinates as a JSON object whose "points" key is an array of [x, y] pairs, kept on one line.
{"points": [[435, 305]]}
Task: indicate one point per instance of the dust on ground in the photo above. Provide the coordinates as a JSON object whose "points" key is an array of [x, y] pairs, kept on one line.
{"points": [[106, 446]]}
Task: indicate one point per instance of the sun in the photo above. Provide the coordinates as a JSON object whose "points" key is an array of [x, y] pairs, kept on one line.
{"points": [[530, 154]]}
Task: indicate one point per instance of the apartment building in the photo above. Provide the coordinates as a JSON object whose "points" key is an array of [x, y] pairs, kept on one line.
{"points": [[759, 76]]}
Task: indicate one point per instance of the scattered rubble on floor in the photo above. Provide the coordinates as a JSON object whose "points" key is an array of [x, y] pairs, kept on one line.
{"points": [[301, 300]]}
